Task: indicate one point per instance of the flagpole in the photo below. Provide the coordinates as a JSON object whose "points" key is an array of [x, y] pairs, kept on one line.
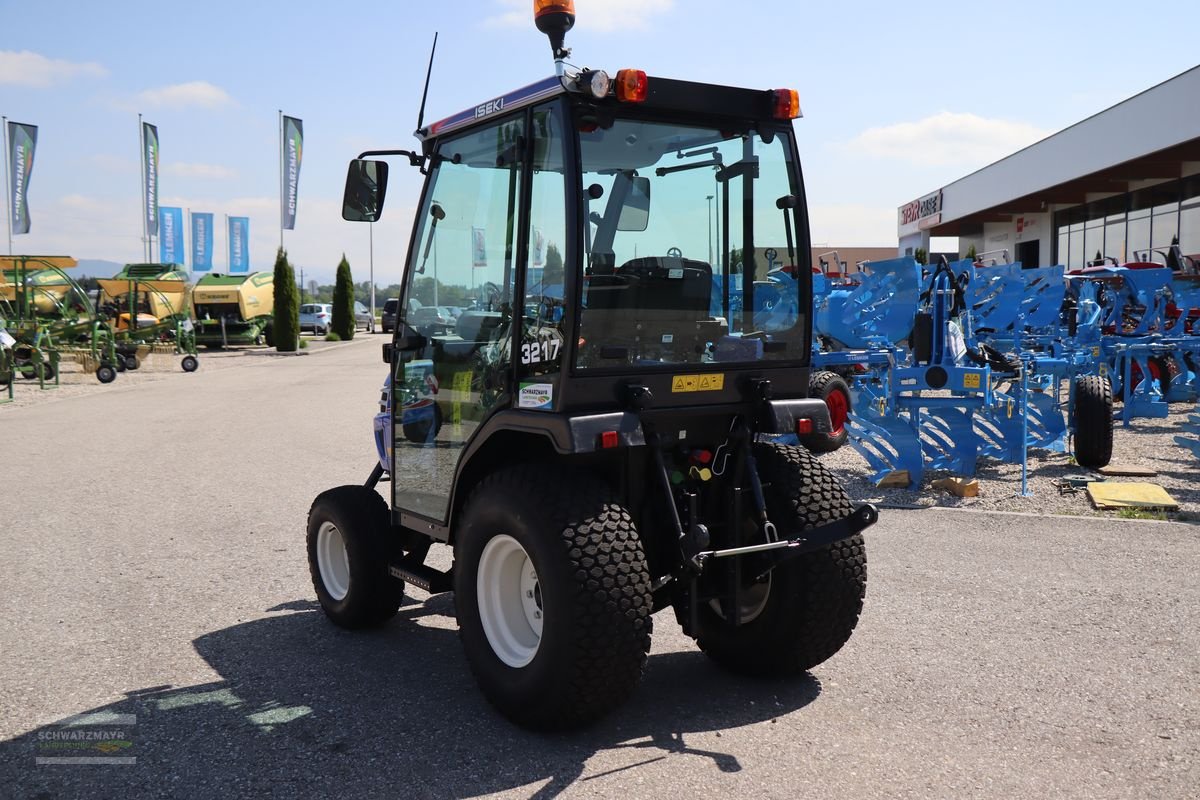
{"points": [[281, 191], [7, 185], [188, 255], [145, 200]]}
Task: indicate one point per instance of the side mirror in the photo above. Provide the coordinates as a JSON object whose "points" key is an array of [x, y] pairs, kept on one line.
{"points": [[366, 186], [387, 352], [635, 211]]}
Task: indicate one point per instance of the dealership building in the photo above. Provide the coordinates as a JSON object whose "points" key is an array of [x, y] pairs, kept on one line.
{"points": [[1120, 182]]}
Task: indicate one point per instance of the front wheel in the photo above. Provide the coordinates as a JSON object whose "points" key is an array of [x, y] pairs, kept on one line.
{"points": [[553, 596], [347, 557], [808, 607], [189, 363], [105, 373]]}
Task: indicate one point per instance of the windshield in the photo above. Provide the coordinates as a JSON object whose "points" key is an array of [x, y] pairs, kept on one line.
{"points": [[692, 247]]}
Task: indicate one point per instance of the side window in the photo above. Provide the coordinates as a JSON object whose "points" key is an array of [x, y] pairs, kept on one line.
{"points": [[460, 275], [542, 338]]}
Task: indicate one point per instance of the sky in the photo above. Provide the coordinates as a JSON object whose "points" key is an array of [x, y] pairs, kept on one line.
{"points": [[898, 98]]}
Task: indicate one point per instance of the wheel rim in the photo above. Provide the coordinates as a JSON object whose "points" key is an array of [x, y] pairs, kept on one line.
{"points": [[333, 561], [839, 409], [754, 600], [509, 596]]}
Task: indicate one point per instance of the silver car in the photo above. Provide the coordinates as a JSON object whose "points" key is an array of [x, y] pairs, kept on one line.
{"points": [[363, 317], [316, 317]]}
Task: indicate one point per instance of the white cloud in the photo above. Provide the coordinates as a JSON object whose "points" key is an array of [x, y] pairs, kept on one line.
{"points": [[184, 169], [185, 95], [597, 15], [852, 225], [34, 70], [947, 138]]}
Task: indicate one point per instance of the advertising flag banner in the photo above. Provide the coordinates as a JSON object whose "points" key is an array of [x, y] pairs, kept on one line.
{"points": [[150, 170], [478, 247], [293, 147], [202, 242], [22, 139], [170, 240], [239, 244]]}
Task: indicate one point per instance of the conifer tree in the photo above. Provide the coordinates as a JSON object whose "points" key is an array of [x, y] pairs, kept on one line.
{"points": [[343, 302]]}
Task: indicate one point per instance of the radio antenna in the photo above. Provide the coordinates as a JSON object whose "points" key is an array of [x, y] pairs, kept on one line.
{"points": [[425, 94]]}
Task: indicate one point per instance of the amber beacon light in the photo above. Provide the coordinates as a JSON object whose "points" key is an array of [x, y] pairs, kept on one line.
{"points": [[554, 18]]}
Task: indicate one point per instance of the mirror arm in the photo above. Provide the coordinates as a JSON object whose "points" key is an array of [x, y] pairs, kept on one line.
{"points": [[414, 159]]}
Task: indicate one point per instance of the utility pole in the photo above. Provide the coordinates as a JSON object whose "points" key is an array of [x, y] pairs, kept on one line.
{"points": [[302, 286], [371, 234]]}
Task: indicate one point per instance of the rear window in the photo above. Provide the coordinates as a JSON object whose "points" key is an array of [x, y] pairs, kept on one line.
{"points": [[390, 306]]}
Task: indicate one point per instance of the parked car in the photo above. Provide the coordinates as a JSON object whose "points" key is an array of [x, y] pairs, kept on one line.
{"points": [[388, 319], [455, 311], [316, 317], [363, 317], [431, 319]]}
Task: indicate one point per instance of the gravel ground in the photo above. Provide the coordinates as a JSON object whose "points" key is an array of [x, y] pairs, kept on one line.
{"points": [[1148, 443]]}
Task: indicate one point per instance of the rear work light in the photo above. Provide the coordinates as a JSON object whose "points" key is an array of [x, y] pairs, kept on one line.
{"points": [[787, 104], [631, 86]]}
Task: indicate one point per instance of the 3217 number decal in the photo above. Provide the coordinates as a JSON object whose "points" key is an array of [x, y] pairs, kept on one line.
{"points": [[540, 351]]}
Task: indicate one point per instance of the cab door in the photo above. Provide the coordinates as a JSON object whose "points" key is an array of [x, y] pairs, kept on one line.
{"points": [[464, 259]]}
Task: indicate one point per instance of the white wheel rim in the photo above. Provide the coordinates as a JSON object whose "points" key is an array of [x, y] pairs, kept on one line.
{"points": [[510, 601], [333, 561]]}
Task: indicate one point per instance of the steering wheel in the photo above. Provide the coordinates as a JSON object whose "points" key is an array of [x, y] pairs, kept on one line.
{"points": [[675, 252]]}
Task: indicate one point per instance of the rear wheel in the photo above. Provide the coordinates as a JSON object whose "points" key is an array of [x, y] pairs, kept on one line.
{"points": [[832, 388], [347, 557], [809, 606], [553, 596], [1093, 423]]}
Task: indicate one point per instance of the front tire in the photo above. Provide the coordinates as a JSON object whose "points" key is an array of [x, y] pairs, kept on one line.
{"points": [[811, 603], [553, 596], [347, 558]]}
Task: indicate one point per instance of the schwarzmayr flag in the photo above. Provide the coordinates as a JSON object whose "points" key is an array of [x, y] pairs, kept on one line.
{"points": [[22, 139], [239, 244], [202, 242], [150, 170], [293, 147]]}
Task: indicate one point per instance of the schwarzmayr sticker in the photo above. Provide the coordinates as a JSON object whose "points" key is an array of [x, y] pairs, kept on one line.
{"points": [[536, 395]]}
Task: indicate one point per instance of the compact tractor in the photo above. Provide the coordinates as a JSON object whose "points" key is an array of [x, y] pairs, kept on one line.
{"points": [[596, 435]]}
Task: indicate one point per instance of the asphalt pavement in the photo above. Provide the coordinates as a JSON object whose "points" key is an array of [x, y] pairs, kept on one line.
{"points": [[155, 582]]}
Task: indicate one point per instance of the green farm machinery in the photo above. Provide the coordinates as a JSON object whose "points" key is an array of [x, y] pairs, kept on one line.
{"points": [[149, 310], [49, 316]]}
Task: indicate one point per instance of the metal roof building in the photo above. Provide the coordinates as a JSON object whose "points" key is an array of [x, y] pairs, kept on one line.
{"points": [[1122, 181]]}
